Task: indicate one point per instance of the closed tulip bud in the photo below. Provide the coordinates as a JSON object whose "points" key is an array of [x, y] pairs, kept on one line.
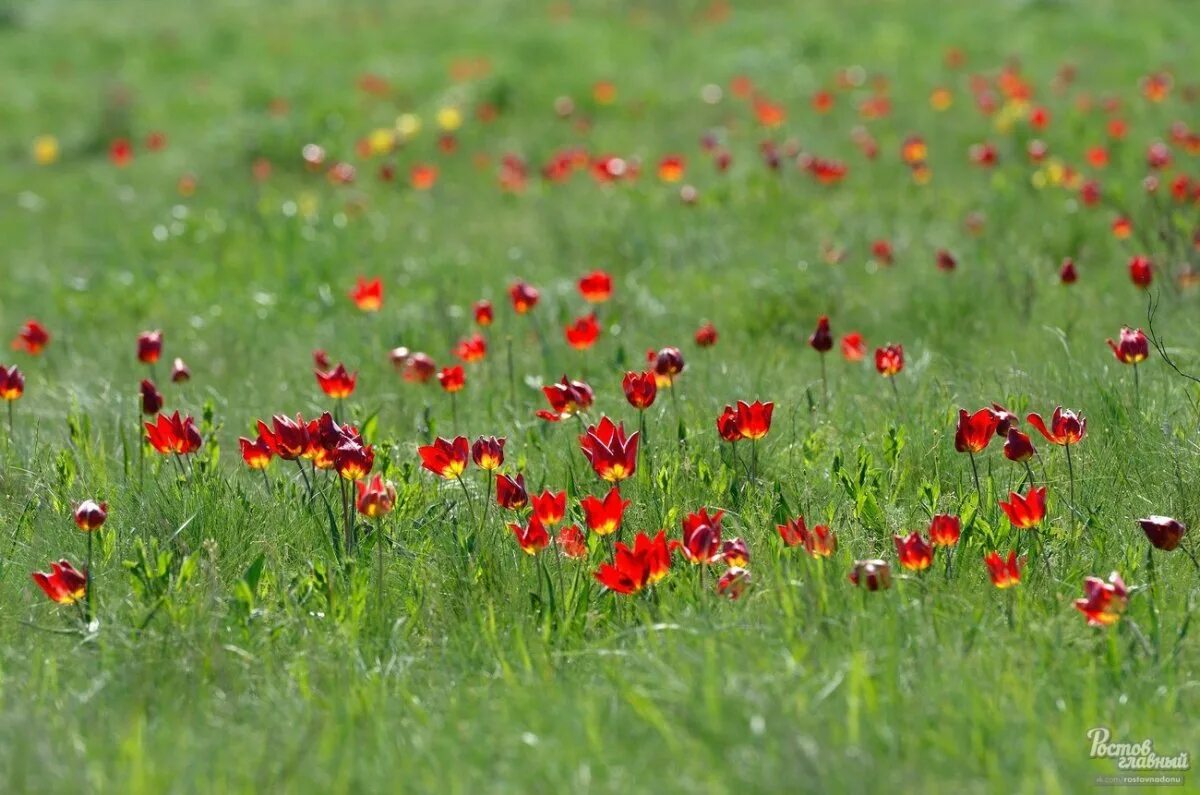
{"points": [[821, 340], [152, 400], [90, 515], [488, 452], [735, 553], [1017, 446], [180, 372], [524, 297], [510, 493], [1163, 531], [149, 346], [640, 389], [1067, 274], [872, 575], [733, 583], [706, 335], [945, 529], [1133, 347], [484, 313]]}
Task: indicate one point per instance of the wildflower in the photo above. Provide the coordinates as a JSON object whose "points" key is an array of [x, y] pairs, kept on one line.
{"points": [[702, 536], [914, 552], [337, 383], [149, 346], [640, 389], [90, 515], [531, 537], [1066, 427], [549, 506], [32, 338], [1103, 602], [488, 452], [603, 517], [612, 454], [256, 454], [152, 400], [367, 294], [733, 583], [634, 569], [1028, 511], [375, 498], [173, 434], [1017, 446], [444, 458], [63, 584], [524, 297], [889, 360], [452, 379], [510, 493], [944, 529], [1133, 347], [706, 335], [583, 332], [873, 575], [1163, 532], [1004, 573], [853, 347]]}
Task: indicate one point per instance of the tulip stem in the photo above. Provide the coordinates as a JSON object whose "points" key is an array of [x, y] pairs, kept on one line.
{"points": [[10, 418], [1071, 479], [487, 503], [895, 389], [88, 591], [825, 383], [975, 474], [304, 475], [379, 565], [1137, 389]]}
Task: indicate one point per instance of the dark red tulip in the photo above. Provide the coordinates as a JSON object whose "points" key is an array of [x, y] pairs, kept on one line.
{"points": [[511, 493], [735, 553], [640, 389], [706, 335], [1133, 347], [488, 452], [1141, 272], [702, 536], [484, 313], [821, 340], [419, 368], [1017, 446], [32, 338], [286, 438], [149, 346], [90, 515], [1163, 531], [152, 400], [180, 372], [173, 435], [524, 297], [12, 383], [727, 425], [668, 364], [63, 583], [1066, 427], [871, 575], [975, 431], [1067, 274]]}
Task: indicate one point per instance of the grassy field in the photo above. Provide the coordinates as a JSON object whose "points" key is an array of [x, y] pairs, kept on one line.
{"points": [[233, 650]]}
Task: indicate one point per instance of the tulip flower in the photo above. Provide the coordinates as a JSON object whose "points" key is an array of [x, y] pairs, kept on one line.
{"points": [[1028, 511], [821, 341], [735, 553], [596, 287], [1066, 429], [821, 542], [1005, 419], [727, 425], [286, 438], [612, 454], [418, 368], [1133, 347], [671, 168], [63, 584], [640, 389], [706, 335], [444, 458], [549, 506], [567, 398], [946, 260], [1163, 532], [510, 493], [889, 360], [152, 400], [974, 431], [733, 583], [945, 529], [571, 542], [583, 332], [871, 575], [914, 552], [1103, 602], [1067, 274], [256, 454], [793, 531], [1141, 272], [853, 347], [484, 313], [531, 537], [488, 452], [668, 364], [89, 515], [375, 498], [1018, 447], [180, 372], [753, 420], [32, 338], [524, 297], [702, 536], [353, 460], [603, 517], [337, 383], [367, 295], [173, 435], [640, 567], [881, 252], [149, 346], [321, 359], [473, 349], [1004, 573]]}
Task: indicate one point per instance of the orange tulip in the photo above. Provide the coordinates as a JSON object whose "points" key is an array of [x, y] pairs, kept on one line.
{"points": [[367, 295], [1004, 573]]}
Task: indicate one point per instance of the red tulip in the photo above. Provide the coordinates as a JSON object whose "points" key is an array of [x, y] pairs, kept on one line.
{"points": [[375, 498], [444, 458], [821, 542], [571, 542], [1004, 573], [702, 536], [946, 260], [418, 368], [1141, 272], [603, 517], [1005, 419], [1133, 347], [1066, 427], [337, 383], [367, 295], [889, 360], [472, 349], [149, 346], [174, 435], [120, 152], [256, 454], [1103, 602], [510, 493], [321, 359], [286, 438], [611, 453], [853, 347], [945, 529], [90, 515], [423, 176], [524, 297], [1163, 531], [735, 553], [180, 372], [733, 583], [353, 460], [753, 420], [488, 452], [668, 363], [452, 379], [634, 569], [1067, 274], [152, 401], [596, 287], [484, 314], [793, 531], [975, 431], [914, 552], [549, 506], [567, 398], [532, 538], [881, 252], [63, 584], [873, 575], [1018, 447], [727, 425], [640, 389], [706, 335], [671, 168], [583, 332], [821, 340], [32, 338], [12, 383], [1028, 511]]}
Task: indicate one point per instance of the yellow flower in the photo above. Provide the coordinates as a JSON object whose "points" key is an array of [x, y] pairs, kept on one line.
{"points": [[449, 119], [408, 125], [45, 150]]}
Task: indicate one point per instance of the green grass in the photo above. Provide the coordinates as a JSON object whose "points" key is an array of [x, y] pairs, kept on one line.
{"points": [[467, 682]]}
